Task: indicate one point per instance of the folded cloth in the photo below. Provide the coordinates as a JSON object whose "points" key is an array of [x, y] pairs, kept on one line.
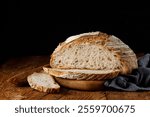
{"points": [[139, 79]]}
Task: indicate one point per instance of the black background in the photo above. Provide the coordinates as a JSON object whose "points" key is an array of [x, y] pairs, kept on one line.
{"points": [[36, 28]]}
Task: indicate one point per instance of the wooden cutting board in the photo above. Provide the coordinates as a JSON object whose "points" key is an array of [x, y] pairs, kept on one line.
{"points": [[15, 70]]}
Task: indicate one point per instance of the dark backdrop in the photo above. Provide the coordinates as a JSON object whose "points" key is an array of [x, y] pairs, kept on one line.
{"points": [[36, 28]]}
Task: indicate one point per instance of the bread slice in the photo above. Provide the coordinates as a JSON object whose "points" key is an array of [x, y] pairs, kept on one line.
{"points": [[43, 82], [93, 51], [81, 74]]}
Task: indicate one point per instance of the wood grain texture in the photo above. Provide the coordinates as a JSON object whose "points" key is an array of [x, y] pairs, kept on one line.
{"points": [[19, 68], [121, 95]]}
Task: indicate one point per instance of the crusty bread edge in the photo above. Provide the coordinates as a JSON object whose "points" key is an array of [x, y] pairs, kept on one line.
{"points": [[79, 76]]}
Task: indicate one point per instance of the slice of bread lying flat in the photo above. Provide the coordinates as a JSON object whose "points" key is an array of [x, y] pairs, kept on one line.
{"points": [[81, 74], [43, 82], [92, 56]]}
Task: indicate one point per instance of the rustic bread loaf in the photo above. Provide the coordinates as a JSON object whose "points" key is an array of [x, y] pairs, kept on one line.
{"points": [[43, 82], [93, 51]]}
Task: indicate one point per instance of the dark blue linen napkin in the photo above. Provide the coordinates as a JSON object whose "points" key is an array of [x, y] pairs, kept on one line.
{"points": [[139, 79]]}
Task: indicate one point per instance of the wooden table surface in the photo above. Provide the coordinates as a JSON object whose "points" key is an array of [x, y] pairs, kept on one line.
{"points": [[20, 67]]}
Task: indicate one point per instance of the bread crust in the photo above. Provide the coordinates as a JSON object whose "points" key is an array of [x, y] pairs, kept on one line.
{"points": [[67, 74], [123, 53]]}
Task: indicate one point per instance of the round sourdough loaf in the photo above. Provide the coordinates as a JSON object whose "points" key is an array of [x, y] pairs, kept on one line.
{"points": [[91, 56]]}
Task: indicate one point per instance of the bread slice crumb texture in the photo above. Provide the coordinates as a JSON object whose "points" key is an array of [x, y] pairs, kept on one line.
{"points": [[43, 82]]}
